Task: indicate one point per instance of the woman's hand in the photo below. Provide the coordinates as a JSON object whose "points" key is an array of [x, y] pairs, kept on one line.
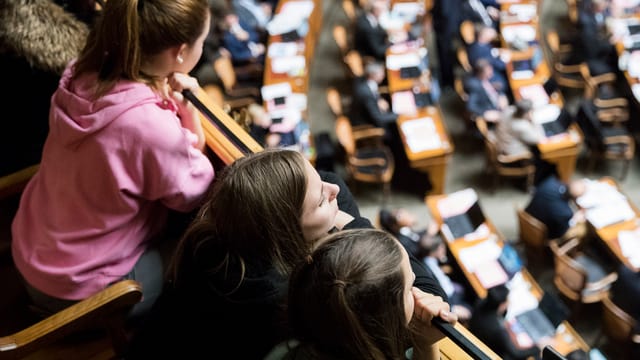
{"points": [[426, 307], [189, 116]]}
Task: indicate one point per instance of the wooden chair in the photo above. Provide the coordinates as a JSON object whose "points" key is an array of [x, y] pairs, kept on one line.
{"points": [[467, 32], [501, 165], [367, 159], [578, 277], [334, 100], [594, 83], [618, 326], [463, 59], [107, 309], [533, 234], [566, 75], [236, 95], [604, 142], [15, 182], [349, 9]]}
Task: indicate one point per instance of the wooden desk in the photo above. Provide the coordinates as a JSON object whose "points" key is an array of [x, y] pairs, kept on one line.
{"points": [[566, 339], [449, 350], [560, 150], [432, 162], [609, 234]]}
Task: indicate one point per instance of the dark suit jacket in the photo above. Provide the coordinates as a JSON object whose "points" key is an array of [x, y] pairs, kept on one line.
{"points": [[364, 107], [625, 292], [370, 40], [446, 16], [479, 101], [550, 205], [489, 327], [592, 41]]}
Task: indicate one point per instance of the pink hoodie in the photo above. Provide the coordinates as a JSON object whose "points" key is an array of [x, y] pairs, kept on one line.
{"points": [[111, 169]]}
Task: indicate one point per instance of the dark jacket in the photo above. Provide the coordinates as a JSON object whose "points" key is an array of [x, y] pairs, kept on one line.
{"points": [[364, 106], [490, 327], [37, 40], [196, 320], [479, 101], [370, 40], [550, 205]]}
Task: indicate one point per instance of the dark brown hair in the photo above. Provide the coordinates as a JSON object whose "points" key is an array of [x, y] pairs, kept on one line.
{"points": [[252, 215], [130, 31], [347, 301]]}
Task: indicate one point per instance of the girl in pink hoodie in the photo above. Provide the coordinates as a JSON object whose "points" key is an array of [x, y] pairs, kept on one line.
{"points": [[124, 149]]}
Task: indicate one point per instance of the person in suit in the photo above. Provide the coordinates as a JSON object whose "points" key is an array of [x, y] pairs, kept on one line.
{"points": [[230, 273], [367, 106], [595, 43], [370, 38], [484, 98], [551, 203], [446, 17], [624, 292], [516, 134], [483, 48], [484, 12], [488, 324]]}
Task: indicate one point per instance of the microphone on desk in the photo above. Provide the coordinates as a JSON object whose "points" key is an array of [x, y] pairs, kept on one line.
{"points": [[452, 333], [216, 122]]}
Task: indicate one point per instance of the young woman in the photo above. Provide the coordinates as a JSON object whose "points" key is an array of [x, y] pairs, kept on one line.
{"points": [[354, 299], [124, 149], [231, 271]]}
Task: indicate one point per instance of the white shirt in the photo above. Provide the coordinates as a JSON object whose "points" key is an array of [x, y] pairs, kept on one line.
{"points": [[443, 279]]}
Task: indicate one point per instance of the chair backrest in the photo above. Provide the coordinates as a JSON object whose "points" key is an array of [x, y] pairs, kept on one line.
{"points": [[589, 123], [354, 61], [15, 182], [570, 277], [349, 9], [616, 323], [340, 37], [553, 42], [468, 32], [463, 59], [334, 101], [344, 133], [532, 232], [225, 71], [108, 306]]}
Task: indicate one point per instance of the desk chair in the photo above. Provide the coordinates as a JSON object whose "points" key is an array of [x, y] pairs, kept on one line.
{"points": [[235, 94], [580, 278], [533, 234], [500, 165], [108, 309], [618, 326], [367, 159], [467, 33], [566, 75], [463, 59], [604, 142]]}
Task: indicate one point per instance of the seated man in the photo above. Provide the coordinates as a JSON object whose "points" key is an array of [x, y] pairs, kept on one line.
{"points": [[370, 38], [624, 293], [367, 106], [482, 48], [484, 99], [485, 12], [551, 203], [488, 324], [595, 42]]}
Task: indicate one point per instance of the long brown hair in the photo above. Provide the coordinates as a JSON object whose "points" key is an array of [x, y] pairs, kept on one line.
{"points": [[127, 32], [347, 301], [252, 216]]}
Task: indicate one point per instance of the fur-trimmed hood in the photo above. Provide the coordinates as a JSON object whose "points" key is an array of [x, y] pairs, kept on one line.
{"points": [[42, 32]]}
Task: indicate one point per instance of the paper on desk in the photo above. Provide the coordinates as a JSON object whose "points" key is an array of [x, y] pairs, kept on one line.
{"points": [[421, 134], [407, 11], [273, 91], [523, 32], [297, 9], [403, 103], [474, 256], [535, 93], [292, 65], [457, 202], [545, 113], [598, 193], [282, 49], [610, 213], [524, 12], [521, 299], [395, 62], [490, 274], [633, 64], [297, 101], [629, 241]]}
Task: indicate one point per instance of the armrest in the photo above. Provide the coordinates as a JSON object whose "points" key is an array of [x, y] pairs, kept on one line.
{"points": [[602, 283], [635, 338], [608, 103], [373, 132], [513, 158], [617, 139], [568, 246], [368, 162], [602, 78], [567, 68]]}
